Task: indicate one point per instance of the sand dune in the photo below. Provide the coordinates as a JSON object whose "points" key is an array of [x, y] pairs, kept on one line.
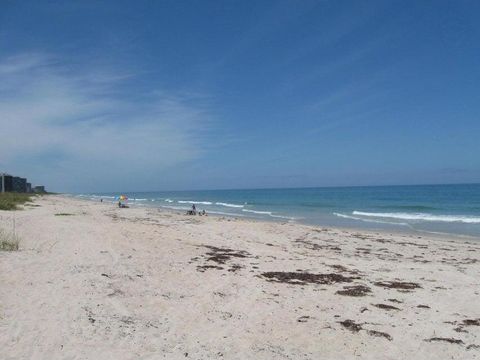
{"points": [[138, 283]]}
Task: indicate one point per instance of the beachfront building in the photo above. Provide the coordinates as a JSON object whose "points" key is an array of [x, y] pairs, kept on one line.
{"points": [[10, 183], [6, 182], [39, 189], [19, 184]]}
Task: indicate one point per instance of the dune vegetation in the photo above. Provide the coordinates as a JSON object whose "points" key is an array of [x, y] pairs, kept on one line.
{"points": [[10, 201]]}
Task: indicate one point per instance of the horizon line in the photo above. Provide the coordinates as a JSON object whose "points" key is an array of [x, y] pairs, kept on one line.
{"points": [[282, 188]]}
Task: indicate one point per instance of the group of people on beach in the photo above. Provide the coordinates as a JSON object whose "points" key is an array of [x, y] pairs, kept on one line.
{"points": [[194, 211], [122, 205]]}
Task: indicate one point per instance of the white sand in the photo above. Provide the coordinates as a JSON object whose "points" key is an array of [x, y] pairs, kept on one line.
{"points": [[109, 283]]}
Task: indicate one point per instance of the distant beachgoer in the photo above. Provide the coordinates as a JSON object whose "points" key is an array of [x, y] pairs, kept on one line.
{"points": [[119, 204], [101, 200], [204, 213], [194, 209]]}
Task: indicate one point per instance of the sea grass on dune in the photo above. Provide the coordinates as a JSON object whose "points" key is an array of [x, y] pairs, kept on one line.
{"points": [[10, 201]]}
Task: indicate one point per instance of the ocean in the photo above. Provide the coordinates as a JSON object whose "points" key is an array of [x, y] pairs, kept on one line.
{"points": [[446, 209]]}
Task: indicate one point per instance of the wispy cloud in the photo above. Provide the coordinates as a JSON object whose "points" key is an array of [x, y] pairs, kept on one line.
{"points": [[57, 122]]}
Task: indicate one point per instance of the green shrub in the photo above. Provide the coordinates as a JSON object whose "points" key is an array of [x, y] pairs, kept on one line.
{"points": [[10, 201]]}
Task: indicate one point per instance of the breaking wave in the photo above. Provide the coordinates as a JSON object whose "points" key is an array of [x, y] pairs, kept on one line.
{"points": [[423, 217], [258, 212], [229, 205], [225, 213], [369, 220], [175, 207], [194, 202], [269, 213]]}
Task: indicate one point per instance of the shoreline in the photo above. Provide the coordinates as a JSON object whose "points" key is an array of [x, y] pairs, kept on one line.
{"points": [[403, 209], [94, 281], [246, 218]]}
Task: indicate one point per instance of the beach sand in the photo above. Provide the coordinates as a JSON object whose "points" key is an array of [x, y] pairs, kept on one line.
{"points": [[139, 283]]}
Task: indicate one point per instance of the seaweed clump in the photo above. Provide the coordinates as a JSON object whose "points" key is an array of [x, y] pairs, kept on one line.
{"points": [[385, 307], [449, 340], [222, 255], [303, 278], [471, 322], [351, 325], [355, 290], [380, 334], [403, 285]]}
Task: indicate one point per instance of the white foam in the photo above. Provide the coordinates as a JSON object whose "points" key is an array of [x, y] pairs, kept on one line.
{"points": [[423, 217], [93, 197], [139, 199], [283, 217], [258, 212], [229, 205], [169, 201], [269, 213], [225, 213], [175, 207], [369, 220], [194, 202]]}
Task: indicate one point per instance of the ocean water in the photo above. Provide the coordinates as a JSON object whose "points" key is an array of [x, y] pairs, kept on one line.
{"points": [[451, 209]]}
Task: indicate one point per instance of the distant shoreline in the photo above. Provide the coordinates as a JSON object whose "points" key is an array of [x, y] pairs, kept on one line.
{"points": [[397, 231], [444, 209]]}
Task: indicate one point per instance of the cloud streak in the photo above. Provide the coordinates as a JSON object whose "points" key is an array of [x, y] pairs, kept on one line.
{"points": [[94, 135]]}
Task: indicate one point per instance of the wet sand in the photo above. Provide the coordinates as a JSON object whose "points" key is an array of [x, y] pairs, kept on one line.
{"points": [[92, 281]]}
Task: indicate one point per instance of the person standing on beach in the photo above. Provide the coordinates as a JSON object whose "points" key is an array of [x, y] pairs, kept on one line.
{"points": [[194, 209]]}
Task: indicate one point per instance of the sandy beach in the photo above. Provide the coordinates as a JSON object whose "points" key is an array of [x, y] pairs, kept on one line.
{"points": [[92, 281]]}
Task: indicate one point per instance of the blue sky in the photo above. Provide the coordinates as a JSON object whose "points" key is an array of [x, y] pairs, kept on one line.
{"points": [[171, 95]]}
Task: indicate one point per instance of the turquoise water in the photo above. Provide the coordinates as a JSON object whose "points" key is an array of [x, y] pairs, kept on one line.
{"points": [[451, 209]]}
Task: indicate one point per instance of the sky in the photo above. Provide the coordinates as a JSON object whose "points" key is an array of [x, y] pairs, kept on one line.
{"points": [[179, 95]]}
